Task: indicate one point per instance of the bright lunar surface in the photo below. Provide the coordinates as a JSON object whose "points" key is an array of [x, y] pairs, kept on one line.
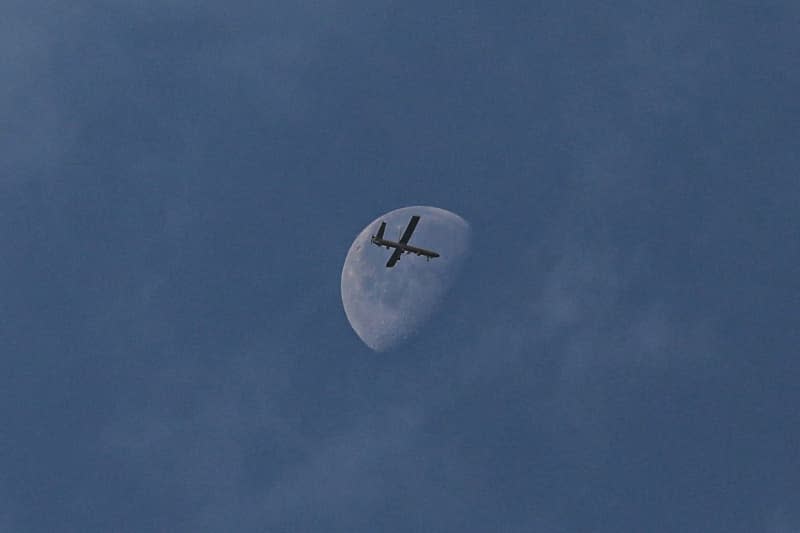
{"points": [[387, 305]]}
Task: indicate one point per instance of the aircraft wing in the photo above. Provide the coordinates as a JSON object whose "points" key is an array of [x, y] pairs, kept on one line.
{"points": [[394, 258], [412, 224]]}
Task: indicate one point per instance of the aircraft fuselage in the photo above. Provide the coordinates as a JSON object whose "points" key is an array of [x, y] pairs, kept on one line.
{"points": [[405, 248]]}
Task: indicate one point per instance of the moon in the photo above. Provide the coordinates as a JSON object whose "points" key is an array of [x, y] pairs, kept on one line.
{"points": [[386, 306]]}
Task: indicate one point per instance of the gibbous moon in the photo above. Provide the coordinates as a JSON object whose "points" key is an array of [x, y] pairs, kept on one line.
{"points": [[387, 305]]}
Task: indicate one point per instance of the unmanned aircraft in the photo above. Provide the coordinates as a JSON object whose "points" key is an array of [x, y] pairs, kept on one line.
{"points": [[402, 246]]}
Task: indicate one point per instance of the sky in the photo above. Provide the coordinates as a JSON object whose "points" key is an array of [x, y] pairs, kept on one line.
{"points": [[180, 182]]}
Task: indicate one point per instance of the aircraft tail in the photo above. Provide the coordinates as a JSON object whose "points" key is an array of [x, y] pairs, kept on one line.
{"points": [[379, 235]]}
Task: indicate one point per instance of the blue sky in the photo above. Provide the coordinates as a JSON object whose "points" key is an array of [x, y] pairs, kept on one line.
{"points": [[179, 185]]}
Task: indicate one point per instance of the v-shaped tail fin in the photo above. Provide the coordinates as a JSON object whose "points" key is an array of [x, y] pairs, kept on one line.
{"points": [[379, 235]]}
